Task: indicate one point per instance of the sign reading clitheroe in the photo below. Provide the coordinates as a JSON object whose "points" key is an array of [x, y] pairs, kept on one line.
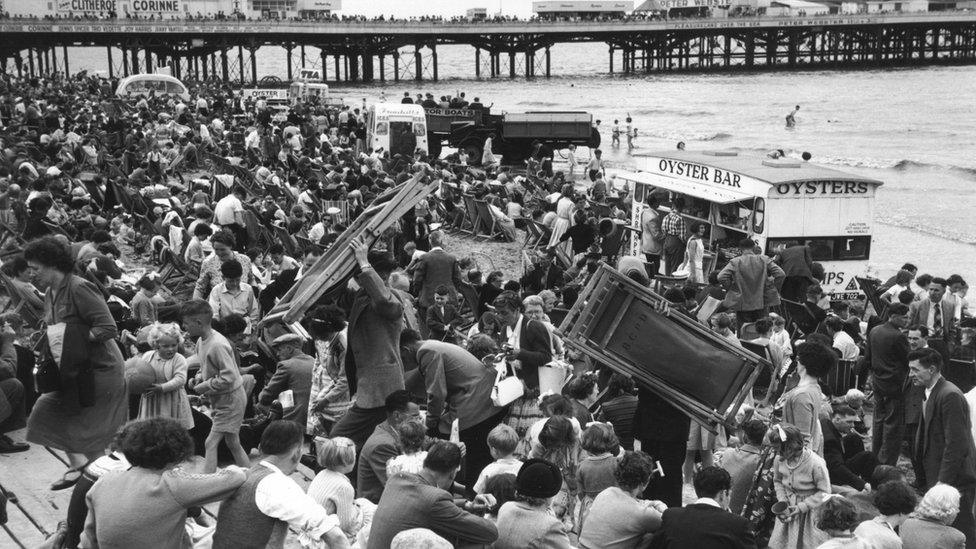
{"points": [[139, 7]]}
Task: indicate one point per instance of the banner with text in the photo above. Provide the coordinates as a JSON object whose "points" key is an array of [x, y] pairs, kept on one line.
{"points": [[133, 7]]}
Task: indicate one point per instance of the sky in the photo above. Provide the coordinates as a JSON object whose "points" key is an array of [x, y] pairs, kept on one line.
{"points": [[444, 8]]}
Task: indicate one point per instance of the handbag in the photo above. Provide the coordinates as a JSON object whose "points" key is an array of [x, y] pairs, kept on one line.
{"points": [[508, 388], [47, 375]]}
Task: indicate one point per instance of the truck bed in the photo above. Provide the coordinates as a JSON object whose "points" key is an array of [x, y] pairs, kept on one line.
{"points": [[550, 125]]}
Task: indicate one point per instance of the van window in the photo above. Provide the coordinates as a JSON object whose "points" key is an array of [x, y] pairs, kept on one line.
{"points": [[759, 216], [830, 248], [173, 87]]}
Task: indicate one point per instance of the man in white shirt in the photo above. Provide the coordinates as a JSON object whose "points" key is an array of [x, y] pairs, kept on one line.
{"points": [[262, 510], [229, 214], [843, 342]]}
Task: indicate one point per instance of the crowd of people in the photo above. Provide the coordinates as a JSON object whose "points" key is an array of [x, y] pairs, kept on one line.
{"points": [[145, 241]]}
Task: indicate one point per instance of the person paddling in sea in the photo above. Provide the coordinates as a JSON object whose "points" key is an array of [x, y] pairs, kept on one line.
{"points": [[791, 118]]}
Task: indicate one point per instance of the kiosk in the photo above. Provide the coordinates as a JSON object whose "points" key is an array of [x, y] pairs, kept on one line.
{"points": [[776, 202]]}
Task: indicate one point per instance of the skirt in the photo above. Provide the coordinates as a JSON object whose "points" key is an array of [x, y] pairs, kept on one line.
{"points": [[522, 414], [55, 423], [174, 405], [228, 411], [800, 533]]}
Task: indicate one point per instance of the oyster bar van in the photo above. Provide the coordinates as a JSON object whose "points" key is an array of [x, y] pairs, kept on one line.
{"points": [[776, 202]]}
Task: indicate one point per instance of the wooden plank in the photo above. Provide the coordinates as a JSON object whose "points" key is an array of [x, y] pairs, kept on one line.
{"points": [[20, 530], [28, 476]]}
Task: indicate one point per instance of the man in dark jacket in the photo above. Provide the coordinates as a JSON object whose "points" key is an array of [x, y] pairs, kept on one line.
{"points": [[662, 431], [944, 451], [847, 461], [887, 360], [797, 263], [707, 523]]}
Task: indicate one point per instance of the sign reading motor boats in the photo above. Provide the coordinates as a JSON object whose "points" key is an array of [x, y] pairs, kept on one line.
{"points": [[135, 7]]}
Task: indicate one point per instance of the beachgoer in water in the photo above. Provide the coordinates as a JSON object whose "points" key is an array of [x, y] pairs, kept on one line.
{"points": [[791, 118]]}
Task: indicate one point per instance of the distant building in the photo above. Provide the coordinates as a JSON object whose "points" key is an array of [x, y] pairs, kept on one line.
{"points": [[172, 9], [603, 9], [796, 8]]}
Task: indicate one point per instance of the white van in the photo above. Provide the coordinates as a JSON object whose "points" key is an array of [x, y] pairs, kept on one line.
{"points": [[396, 127], [305, 90], [776, 202], [144, 84]]}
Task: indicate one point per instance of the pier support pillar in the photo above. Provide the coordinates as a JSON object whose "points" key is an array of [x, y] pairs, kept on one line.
{"points": [[353, 67], [529, 60], [19, 62], [325, 64], [288, 49], [125, 62], [396, 65], [750, 47], [418, 64], [338, 69], [149, 65], [224, 66], [477, 62], [205, 68], [727, 51], [611, 59], [254, 65], [240, 62], [64, 53], [548, 63], [382, 60], [791, 49], [111, 63], [511, 64], [433, 58], [134, 52], [303, 55], [30, 62]]}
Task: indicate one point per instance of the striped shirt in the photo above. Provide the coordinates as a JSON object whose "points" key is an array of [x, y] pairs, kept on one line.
{"points": [[334, 492], [673, 224], [620, 412]]}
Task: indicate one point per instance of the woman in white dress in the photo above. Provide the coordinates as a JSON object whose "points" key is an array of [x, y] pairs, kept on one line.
{"points": [[565, 210], [695, 254]]}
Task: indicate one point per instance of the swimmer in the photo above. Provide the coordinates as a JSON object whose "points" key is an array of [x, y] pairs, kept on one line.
{"points": [[791, 118], [615, 133], [681, 145], [630, 133], [806, 156]]}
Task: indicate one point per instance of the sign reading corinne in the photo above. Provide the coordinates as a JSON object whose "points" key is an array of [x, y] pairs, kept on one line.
{"points": [[149, 7]]}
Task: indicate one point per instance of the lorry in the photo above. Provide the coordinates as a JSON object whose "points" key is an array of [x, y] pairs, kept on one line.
{"points": [[513, 133]]}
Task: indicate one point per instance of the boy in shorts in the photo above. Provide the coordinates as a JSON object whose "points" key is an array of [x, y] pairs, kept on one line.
{"points": [[220, 380]]}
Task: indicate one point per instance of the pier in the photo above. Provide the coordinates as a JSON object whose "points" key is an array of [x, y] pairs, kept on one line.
{"points": [[367, 51]]}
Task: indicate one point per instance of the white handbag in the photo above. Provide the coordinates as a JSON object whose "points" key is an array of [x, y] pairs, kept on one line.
{"points": [[508, 388]]}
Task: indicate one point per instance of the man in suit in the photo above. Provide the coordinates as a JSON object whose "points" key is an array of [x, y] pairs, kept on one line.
{"points": [[944, 450], [848, 463], [706, 523], [937, 312], [375, 323], [886, 358], [746, 278], [797, 262], [458, 386], [383, 445], [434, 269], [423, 501], [534, 347], [294, 373], [442, 317]]}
